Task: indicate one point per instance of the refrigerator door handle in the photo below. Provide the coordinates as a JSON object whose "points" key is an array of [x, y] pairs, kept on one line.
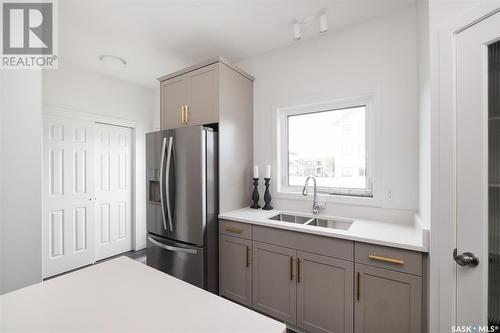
{"points": [[162, 204], [169, 161], [172, 248]]}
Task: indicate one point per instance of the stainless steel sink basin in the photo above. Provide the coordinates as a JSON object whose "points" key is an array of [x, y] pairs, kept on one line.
{"points": [[341, 224], [290, 218], [331, 224]]}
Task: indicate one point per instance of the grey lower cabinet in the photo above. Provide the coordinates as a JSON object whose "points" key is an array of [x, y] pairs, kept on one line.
{"points": [[235, 269], [387, 301], [324, 293], [310, 291], [320, 284], [274, 283]]}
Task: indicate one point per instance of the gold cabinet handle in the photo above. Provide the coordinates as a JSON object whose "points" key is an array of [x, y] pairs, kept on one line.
{"points": [[186, 108], [386, 259], [298, 270], [182, 114], [291, 268], [248, 256], [235, 230], [358, 292]]}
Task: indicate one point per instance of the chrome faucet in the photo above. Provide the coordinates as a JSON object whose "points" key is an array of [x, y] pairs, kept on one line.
{"points": [[316, 205]]}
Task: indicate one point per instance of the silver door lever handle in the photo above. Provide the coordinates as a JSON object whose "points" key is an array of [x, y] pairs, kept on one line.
{"points": [[465, 259]]}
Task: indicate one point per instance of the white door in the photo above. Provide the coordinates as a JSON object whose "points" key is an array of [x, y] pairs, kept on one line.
{"points": [[478, 173], [113, 193], [68, 189]]}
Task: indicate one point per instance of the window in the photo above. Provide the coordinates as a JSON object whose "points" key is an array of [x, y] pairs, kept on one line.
{"points": [[347, 149], [321, 142], [361, 149], [346, 128], [346, 172]]}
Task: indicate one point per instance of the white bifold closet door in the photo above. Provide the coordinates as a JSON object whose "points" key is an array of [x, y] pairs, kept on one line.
{"points": [[87, 197], [113, 192], [68, 194]]}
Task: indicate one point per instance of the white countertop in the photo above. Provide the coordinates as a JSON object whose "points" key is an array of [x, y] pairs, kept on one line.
{"points": [[405, 236], [123, 295]]}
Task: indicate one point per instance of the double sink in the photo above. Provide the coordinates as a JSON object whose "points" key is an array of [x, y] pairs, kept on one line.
{"points": [[341, 224]]}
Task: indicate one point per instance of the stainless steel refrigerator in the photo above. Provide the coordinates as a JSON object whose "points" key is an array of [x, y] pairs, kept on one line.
{"points": [[182, 206]]}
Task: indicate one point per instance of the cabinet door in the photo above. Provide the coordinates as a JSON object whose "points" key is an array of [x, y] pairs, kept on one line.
{"points": [[173, 98], [324, 293], [236, 269], [274, 285], [203, 96], [387, 301]]}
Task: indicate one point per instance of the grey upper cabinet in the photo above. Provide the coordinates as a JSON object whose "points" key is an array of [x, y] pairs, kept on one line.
{"points": [[173, 100], [203, 96], [215, 91], [274, 284], [190, 99], [387, 301], [324, 294], [235, 269]]}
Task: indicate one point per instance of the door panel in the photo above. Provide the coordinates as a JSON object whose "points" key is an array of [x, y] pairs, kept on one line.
{"points": [[203, 95], [494, 189], [155, 222], [68, 189], [177, 259], [187, 181], [473, 123], [387, 301], [236, 269], [174, 97], [324, 293], [274, 285], [114, 194], [79, 228]]}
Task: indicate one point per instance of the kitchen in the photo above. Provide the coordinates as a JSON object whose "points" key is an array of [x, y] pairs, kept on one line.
{"points": [[294, 165]]}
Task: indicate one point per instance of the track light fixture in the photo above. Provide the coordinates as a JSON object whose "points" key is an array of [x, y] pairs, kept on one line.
{"points": [[308, 21]]}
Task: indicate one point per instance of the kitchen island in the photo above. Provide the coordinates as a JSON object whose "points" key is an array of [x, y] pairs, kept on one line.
{"points": [[122, 295]]}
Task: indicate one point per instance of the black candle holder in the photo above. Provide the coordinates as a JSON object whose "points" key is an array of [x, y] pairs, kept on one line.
{"points": [[255, 194], [267, 196]]}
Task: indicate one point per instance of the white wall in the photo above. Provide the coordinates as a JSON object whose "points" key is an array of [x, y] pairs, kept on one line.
{"points": [[378, 55], [1, 184], [424, 111], [72, 88], [156, 108], [20, 184]]}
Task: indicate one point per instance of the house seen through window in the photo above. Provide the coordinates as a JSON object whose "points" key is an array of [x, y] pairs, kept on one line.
{"points": [[332, 146]]}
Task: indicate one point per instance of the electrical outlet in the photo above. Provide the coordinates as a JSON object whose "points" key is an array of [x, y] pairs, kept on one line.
{"points": [[388, 193]]}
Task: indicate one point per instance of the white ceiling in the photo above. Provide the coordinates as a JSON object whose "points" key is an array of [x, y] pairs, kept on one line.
{"points": [[159, 37]]}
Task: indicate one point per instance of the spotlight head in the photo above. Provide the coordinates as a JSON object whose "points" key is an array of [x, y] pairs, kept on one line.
{"points": [[296, 31], [323, 23]]}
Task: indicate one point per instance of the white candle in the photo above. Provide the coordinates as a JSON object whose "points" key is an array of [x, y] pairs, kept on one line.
{"points": [[255, 171], [268, 171]]}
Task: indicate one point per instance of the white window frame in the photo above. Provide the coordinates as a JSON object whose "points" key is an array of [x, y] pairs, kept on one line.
{"points": [[284, 190]]}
